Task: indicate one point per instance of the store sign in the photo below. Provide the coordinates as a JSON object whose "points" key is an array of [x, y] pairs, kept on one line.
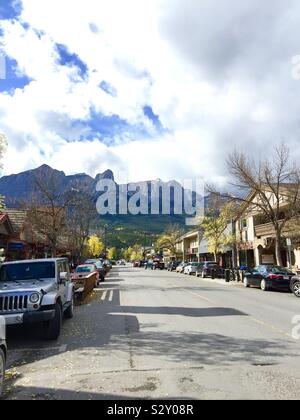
{"points": [[15, 246]]}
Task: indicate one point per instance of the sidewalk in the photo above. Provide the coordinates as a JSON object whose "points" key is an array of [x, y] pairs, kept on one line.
{"points": [[222, 282]]}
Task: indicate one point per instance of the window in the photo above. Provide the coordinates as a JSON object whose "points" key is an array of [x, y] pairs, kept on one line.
{"points": [[244, 224], [27, 271]]}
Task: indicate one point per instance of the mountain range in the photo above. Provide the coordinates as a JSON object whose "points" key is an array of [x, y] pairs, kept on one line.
{"points": [[17, 188]]}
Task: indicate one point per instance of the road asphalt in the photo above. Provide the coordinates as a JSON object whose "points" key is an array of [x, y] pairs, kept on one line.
{"points": [[160, 335]]}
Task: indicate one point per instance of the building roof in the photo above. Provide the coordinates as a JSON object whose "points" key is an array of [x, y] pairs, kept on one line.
{"points": [[6, 222], [17, 218]]}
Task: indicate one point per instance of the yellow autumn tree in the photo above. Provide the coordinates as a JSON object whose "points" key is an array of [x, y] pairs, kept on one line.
{"points": [[95, 246]]}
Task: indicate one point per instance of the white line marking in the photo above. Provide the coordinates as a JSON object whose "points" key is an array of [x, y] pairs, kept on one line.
{"points": [[103, 297], [111, 296]]}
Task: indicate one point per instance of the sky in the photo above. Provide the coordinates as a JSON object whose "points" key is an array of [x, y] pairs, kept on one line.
{"points": [[149, 89]]}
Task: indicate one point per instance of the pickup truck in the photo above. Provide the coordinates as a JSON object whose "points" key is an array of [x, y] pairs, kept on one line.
{"points": [[37, 291]]}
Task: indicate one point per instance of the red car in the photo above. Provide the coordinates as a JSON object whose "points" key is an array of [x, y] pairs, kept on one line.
{"points": [[84, 270]]}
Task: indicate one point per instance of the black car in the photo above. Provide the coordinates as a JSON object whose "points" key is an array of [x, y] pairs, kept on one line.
{"points": [[208, 269], [3, 351], [173, 265], [295, 286], [100, 268], [158, 265], [269, 277]]}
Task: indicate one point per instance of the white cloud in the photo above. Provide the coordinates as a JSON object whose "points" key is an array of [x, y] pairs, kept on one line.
{"points": [[218, 77]]}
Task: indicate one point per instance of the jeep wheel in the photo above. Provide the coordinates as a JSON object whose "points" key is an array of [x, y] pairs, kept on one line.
{"points": [[296, 289], [69, 313], [53, 327], [2, 371]]}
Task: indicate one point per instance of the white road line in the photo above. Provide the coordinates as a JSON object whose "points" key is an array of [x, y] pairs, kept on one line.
{"points": [[111, 296], [103, 297], [202, 297]]}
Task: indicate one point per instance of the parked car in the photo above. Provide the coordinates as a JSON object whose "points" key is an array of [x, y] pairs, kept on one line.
{"points": [[107, 265], [3, 353], [180, 268], [101, 270], [136, 264], [37, 291], [295, 286], [172, 266], [191, 268], [84, 270], [269, 277], [208, 268], [158, 265]]}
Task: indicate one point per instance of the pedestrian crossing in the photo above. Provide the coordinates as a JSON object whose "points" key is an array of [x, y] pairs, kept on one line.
{"points": [[106, 296]]}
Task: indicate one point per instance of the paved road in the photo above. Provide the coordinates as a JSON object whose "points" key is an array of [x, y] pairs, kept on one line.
{"points": [[148, 334]]}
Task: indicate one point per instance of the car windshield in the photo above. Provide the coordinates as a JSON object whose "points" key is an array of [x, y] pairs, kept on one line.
{"points": [[27, 271], [98, 264], [84, 269]]}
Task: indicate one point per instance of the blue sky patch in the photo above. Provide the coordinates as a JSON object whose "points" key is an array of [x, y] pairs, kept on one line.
{"points": [[10, 9], [13, 80], [148, 112], [108, 88], [111, 127], [70, 59]]}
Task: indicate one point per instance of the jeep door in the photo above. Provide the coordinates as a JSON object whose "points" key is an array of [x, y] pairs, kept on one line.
{"points": [[63, 274]]}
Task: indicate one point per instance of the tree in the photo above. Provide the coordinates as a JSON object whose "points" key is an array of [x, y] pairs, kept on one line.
{"points": [[136, 253], [95, 246], [270, 187], [81, 217], [127, 254], [169, 239], [214, 226], [112, 253], [47, 210]]}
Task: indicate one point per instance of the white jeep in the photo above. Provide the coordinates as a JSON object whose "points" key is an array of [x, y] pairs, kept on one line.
{"points": [[37, 291]]}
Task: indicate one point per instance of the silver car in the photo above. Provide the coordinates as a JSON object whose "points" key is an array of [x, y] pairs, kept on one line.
{"points": [[37, 291]]}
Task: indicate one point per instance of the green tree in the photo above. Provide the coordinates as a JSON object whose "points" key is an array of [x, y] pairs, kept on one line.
{"points": [[169, 239], [95, 246], [214, 227]]}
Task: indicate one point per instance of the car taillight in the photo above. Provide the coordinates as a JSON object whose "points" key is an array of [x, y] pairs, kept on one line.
{"points": [[275, 277]]}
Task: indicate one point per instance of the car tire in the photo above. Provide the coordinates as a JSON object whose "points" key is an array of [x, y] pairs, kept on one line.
{"points": [[69, 313], [2, 371], [53, 327], [246, 283], [296, 289], [264, 286]]}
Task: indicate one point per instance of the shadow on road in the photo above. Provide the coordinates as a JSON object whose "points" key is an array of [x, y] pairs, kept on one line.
{"points": [[104, 321], [189, 312]]}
